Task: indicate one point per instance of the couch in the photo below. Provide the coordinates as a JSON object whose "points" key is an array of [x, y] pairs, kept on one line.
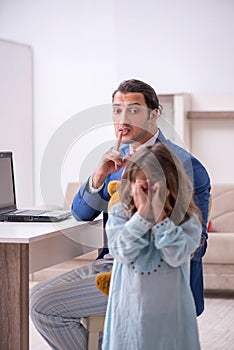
{"points": [[218, 262]]}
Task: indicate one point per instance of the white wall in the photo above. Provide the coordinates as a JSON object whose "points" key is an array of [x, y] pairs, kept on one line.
{"points": [[16, 124], [83, 49]]}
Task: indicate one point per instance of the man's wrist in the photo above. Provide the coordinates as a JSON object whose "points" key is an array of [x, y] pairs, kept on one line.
{"points": [[98, 179], [93, 189]]}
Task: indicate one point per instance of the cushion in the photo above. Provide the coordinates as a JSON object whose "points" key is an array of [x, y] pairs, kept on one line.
{"points": [[222, 208]]}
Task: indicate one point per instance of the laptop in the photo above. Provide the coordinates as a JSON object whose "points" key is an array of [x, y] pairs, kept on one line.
{"points": [[8, 207]]}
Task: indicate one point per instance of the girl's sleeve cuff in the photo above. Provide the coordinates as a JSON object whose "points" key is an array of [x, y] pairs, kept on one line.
{"points": [[139, 223]]}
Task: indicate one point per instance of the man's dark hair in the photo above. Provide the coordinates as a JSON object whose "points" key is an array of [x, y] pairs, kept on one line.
{"points": [[134, 85]]}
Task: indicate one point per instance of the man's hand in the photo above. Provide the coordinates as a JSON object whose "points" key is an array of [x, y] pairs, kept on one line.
{"points": [[110, 162]]}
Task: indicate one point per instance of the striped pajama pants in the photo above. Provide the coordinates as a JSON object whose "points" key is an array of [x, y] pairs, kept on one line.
{"points": [[57, 306]]}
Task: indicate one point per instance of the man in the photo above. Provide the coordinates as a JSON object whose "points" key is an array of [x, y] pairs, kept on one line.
{"points": [[58, 305]]}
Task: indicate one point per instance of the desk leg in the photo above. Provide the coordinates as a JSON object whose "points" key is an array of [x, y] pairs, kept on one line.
{"points": [[14, 296]]}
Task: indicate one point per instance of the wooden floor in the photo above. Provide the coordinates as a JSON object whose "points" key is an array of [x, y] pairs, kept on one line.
{"points": [[215, 324]]}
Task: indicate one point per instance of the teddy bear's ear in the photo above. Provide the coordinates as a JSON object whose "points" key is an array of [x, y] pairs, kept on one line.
{"points": [[113, 192], [112, 187]]}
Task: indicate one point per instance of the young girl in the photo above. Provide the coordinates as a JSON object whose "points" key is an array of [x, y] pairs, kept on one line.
{"points": [[152, 234]]}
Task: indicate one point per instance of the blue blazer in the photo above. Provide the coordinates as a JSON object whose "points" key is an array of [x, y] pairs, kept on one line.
{"points": [[87, 207]]}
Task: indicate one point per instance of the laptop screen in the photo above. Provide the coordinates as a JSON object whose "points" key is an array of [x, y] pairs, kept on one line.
{"points": [[7, 195]]}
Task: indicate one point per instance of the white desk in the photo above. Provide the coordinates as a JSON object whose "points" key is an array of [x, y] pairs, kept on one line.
{"points": [[29, 247]]}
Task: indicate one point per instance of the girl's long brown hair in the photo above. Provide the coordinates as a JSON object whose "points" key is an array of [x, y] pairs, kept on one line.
{"points": [[159, 164]]}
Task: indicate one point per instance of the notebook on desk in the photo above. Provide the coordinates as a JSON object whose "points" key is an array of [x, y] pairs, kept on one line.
{"points": [[8, 207]]}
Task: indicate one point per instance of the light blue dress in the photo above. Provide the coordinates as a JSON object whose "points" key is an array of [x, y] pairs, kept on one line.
{"points": [[150, 304]]}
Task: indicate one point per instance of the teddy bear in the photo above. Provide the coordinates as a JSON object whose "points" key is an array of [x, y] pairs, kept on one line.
{"points": [[103, 278]]}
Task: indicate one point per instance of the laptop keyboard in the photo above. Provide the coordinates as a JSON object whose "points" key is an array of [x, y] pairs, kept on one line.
{"points": [[29, 212]]}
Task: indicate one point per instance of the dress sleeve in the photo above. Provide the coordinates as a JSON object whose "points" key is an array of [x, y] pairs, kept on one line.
{"points": [[126, 236], [177, 243]]}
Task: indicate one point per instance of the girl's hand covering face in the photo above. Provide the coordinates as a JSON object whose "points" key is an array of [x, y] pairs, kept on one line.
{"points": [[140, 192], [157, 203], [142, 197], [148, 201]]}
